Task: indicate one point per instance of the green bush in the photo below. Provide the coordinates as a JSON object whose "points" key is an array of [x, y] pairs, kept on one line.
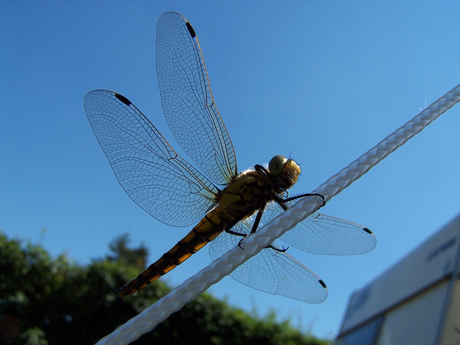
{"points": [[45, 300]]}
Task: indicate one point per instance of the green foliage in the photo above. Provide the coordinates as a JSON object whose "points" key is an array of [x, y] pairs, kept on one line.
{"points": [[45, 300], [123, 255]]}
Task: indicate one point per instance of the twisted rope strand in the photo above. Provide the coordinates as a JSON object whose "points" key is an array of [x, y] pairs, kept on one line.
{"points": [[191, 288]]}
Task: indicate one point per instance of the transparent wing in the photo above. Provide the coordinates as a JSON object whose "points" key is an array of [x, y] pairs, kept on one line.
{"points": [[321, 234], [187, 100], [271, 271], [146, 166]]}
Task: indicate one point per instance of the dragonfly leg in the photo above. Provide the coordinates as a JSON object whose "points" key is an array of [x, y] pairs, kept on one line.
{"points": [[280, 250], [254, 229], [236, 233], [229, 230], [241, 215], [229, 227], [256, 225], [298, 197], [281, 202], [257, 220]]}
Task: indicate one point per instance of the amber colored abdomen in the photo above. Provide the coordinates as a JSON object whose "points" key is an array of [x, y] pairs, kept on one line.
{"points": [[205, 231]]}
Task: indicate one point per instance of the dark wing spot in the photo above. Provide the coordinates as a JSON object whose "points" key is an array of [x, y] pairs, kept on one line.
{"points": [[123, 99], [367, 230], [190, 29], [322, 284]]}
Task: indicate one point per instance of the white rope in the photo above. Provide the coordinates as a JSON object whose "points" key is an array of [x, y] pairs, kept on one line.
{"points": [[191, 288]]}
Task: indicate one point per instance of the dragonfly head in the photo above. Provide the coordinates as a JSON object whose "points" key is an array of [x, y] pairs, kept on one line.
{"points": [[285, 171]]}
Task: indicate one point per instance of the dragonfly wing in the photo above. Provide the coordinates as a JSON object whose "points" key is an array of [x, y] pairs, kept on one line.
{"points": [[187, 99], [146, 166], [272, 271], [321, 234]]}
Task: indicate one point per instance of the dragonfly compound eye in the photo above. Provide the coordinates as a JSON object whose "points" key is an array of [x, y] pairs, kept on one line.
{"points": [[276, 164]]}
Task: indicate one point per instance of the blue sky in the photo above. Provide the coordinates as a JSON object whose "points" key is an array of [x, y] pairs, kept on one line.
{"points": [[320, 81]]}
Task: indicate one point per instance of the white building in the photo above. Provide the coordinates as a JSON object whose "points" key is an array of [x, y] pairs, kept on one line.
{"points": [[417, 301]]}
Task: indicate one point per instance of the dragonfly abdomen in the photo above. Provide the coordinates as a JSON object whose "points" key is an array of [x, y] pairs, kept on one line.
{"points": [[205, 231]]}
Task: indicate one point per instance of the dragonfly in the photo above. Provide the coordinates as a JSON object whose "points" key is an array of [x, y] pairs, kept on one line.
{"points": [[225, 206]]}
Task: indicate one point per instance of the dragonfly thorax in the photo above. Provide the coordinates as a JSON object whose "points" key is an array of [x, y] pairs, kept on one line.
{"points": [[253, 189]]}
